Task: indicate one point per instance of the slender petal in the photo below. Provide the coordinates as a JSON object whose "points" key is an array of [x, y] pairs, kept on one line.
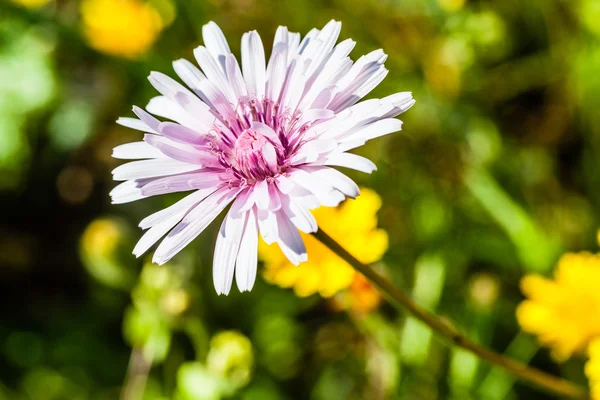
{"points": [[290, 241], [253, 63], [351, 161], [247, 258], [226, 249], [193, 224], [135, 150]]}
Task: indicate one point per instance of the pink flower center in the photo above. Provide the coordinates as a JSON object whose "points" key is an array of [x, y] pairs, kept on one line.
{"points": [[255, 157], [248, 143]]}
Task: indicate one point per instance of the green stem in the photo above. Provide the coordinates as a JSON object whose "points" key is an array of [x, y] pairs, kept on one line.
{"points": [[445, 330]]}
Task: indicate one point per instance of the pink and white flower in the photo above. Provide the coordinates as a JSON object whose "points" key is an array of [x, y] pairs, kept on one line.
{"points": [[263, 137]]}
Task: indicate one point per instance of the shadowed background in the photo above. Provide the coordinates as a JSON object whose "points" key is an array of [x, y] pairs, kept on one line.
{"points": [[494, 175]]}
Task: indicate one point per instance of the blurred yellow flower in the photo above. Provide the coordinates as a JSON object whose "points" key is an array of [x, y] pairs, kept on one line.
{"points": [[592, 368], [31, 3], [360, 298], [354, 225], [101, 237], [564, 312], [126, 28]]}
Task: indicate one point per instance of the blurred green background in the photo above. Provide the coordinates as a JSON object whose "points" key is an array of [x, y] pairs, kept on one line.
{"points": [[494, 176]]}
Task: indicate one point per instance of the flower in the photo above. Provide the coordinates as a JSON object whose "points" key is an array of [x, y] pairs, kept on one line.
{"points": [[263, 137], [126, 28], [592, 368], [354, 225], [564, 312]]}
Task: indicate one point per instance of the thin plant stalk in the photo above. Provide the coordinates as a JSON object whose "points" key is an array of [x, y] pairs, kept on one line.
{"points": [[445, 330], [137, 375]]}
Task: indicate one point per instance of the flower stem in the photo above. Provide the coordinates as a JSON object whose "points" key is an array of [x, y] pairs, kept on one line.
{"points": [[444, 329]]}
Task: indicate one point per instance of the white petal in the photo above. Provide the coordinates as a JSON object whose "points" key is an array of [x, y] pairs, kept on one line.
{"points": [[182, 134], [351, 161], [183, 205], [294, 85], [290, 242], [371, 131], [261, 195], [166, 85], [134, 123], [213, 96], [205, 89], [310, 36], [315, 115], [167, 108], [193, 224], [293, 44], [327, 195], [214, 72], [188, 73], [126, 192], [284, 184], [299, 215], [253, 63], [269, 155], [147, 119], [354, 118], [327, 38], [234, 75], [245, 267], [267, 222], [215, 42], [226, 250], [336, 179], [274, 197], [276, 71], [184, 182], [136, 150], [151, 168], [154, 234], [281, 36], [247, 198], [183, 152], [401, 102], [365, 74], [179, 94], [311, 150], [366, 80]]}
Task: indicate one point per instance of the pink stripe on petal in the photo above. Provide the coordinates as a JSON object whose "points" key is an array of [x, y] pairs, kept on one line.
{"points": [[183, 134], [274, 197], [178, 183], [135, 123], [146, 118]]}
